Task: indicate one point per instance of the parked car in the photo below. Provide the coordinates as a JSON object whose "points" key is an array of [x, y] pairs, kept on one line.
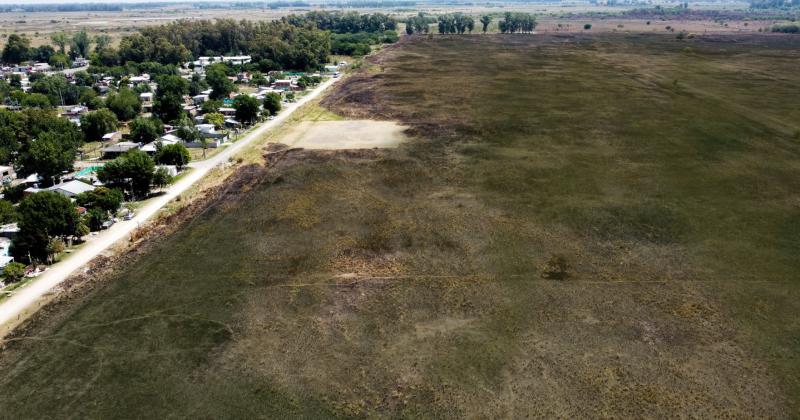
{"points": [[108, 223], [129, 215]]}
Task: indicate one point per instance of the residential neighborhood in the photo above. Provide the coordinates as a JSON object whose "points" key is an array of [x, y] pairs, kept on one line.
{"points": [[135, 132]]}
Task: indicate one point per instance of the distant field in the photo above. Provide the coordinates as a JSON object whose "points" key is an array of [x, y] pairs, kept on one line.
{"points": [[579, 226]]}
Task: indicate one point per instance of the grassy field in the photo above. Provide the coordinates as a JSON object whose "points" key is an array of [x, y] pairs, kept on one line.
{"points": [[600, 225]]}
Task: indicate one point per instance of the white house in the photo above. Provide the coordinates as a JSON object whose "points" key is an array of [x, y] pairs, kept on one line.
{"points": [[8, 175], [112, 136], [71, 188]]}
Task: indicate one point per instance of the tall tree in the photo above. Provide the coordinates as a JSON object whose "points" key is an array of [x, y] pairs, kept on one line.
{"points": [[81, 43], [272, 103], [95, 124], [125, 104], [217, 78], [131, 173], [173, 154], [61, 40], [43, 216], [146, 130], [485, 21], [16, 49], [168, 103], [47, 156], [246, 108]]}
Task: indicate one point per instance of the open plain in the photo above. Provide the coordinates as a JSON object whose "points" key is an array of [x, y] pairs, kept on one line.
{"points": [[578, 226]]}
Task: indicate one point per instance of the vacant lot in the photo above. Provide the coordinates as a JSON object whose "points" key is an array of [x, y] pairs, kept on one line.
{"points": [[579, 227], [348, 134]]}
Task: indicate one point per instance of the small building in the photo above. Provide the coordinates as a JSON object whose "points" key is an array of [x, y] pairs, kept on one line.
{"points": [[8, 175], [9, 230], [199, 99], [112, 136], [331, 69], [71, 188], [118, 149], [5, 252], [146, 98], [228, 112]]}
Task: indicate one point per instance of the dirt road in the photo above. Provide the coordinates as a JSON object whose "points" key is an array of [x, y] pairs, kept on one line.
{"points": [[28, 299]]}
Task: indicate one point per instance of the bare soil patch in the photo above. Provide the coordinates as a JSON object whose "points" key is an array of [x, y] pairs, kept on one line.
{"points": [[345, 134]]}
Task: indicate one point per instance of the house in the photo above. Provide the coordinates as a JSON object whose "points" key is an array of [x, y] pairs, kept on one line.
{"points": [[71, 188], [80, 62], [283, 84], [118, 149], [5, 252], [331, 69], [199, 99], [152, 147], [75, 111], [137, 80], [9, 230], [8, 175], [113, 136], [41, 67], [146, 98], [227, 111]]}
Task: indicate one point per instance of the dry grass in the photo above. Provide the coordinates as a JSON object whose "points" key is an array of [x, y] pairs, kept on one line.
{"points": [[413, 282]]}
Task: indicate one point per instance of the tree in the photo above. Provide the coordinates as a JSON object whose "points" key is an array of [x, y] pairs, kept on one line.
{"points": [[49, 156], [41, 54], [60, 61], [197, 85], [36, 100], [215, 118], [211, 106], [8, 213], [14, 272], [106, 199], [146, 130], [96, 124], [131, 173], [587, 26], [161, 178], [173, 154], [125, 104], [16, 49], [101, 42], [61, 40], [81, 43], [272, 103], [485, 21], [168, 101], [246, 108], [217, 78], [43, 216]]}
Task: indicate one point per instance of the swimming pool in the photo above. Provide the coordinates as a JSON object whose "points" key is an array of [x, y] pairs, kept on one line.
{"points": [[87, 171]]}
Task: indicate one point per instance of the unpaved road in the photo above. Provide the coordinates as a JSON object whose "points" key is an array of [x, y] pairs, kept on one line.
{"points": [[28, 299]]}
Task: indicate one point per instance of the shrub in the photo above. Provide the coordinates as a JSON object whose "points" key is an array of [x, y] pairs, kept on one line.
{"points": [[14, 272], [587, 26]]}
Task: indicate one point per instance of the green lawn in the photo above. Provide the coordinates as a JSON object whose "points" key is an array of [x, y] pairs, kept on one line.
{"points": [[413, 282]]}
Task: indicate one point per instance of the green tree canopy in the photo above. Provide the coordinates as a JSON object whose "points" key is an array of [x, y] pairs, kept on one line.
{"points": [[173, 154], [16, 49], [146, 130], [131, 173], [47, 156], [168, 101], [106, 199], [125, 104], [247, 108], [217, 78], [272, 103], [95, 124], [43, 216]]}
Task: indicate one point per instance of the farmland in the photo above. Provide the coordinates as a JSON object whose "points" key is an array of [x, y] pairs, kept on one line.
{"points": [[578, 226]]}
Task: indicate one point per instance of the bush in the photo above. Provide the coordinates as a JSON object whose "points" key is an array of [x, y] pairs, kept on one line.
{"points": [[786, 29], [587, 26], [556, 268], [14, 272]]}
